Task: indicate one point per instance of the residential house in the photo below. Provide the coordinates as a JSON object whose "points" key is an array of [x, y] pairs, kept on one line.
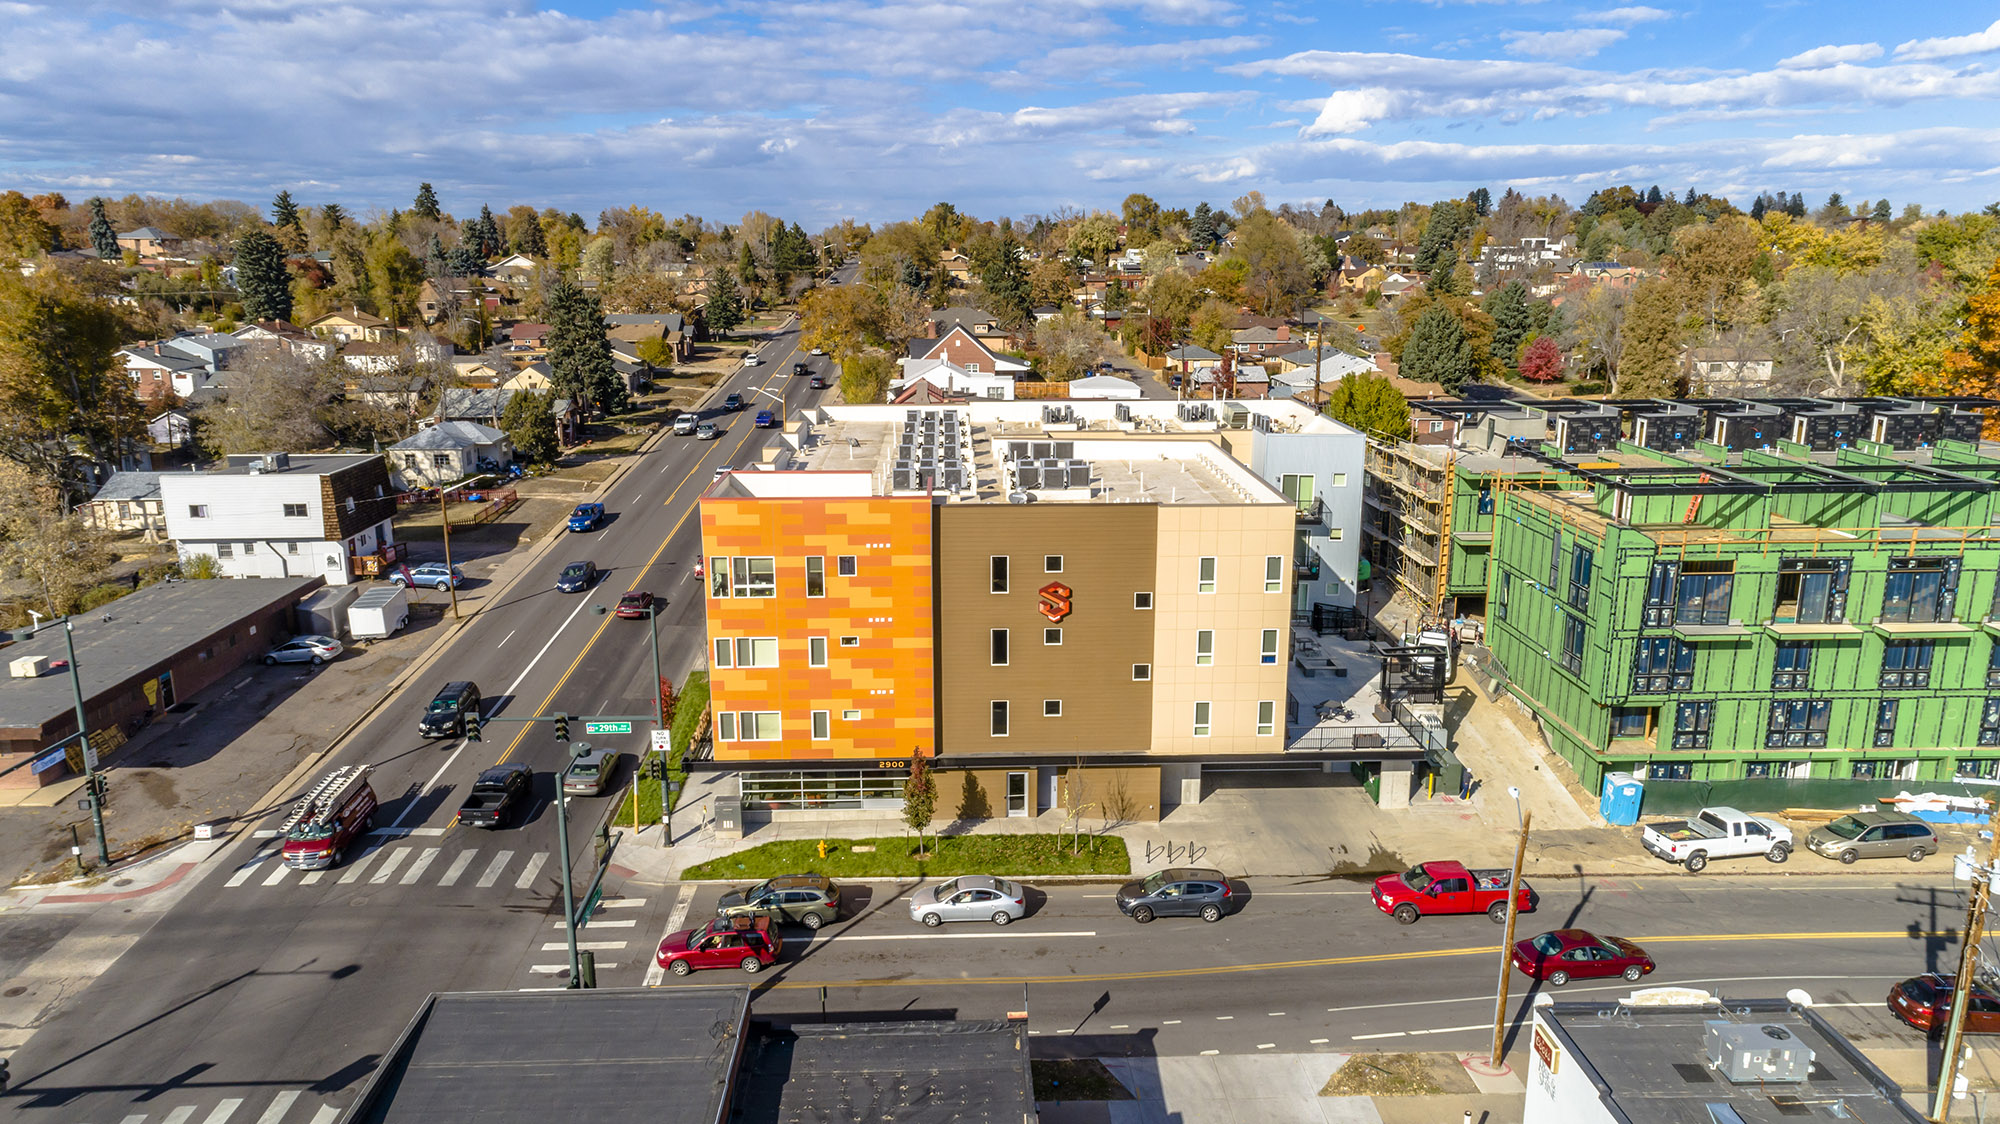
{"points": [[274, 515], [1526, 256], [670, 328], [514, 269], [1230, 379], [528, 341], [1396, 284], [129, 501], [482, 405], [170, 428], [371, 358], [211, 348], [960, 346], [952, 378], [1192, 357], [982, 325], [1432, 427], [480, 370], [162, 375], [446, 452], [351, 326], [1259, 341], [150, 242], [921, 392], [956, 266], [301, 343], [1724, 371], [469, 294], [1361, 278], [1331, 365], [534, 376]]}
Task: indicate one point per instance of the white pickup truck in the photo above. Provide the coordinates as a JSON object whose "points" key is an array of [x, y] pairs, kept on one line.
{"points": [[1717, 833]]}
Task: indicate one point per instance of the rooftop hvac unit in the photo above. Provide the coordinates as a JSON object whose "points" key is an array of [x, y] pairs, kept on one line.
{"points": [[1030, 475], [28, 667], [1764, 1054], [1235, 416], [1122, 412], [899, 480], [1079, 474], [1065, 450], [1041, 450]]}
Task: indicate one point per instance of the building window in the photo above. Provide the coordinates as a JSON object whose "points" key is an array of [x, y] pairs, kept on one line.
{"points": [[1573, 633], [1787, 770], [1204, 580], [197, 511], [756, 651], [1989, 723], [725, 653], [1797, 722], [1298, 489], [1000, 718], [1631, 722], [291, 548], [1505, 594], [753, 577], [1142, 672], [1580, 560], [1885, 722], [1201, 719], [850, 641], [757, 726], [725, 727], [1984, 768], [1993, 664], [1691, 723], [815, 576], [295, 511], [999, 569], [1885, 770], [822, 725], [1052, 564], [1669, 771], [1919, 590], [1812, 590], [1907, 663], [1274, 573], [1052, 637], [718, 576], [844, 565], [1267, 651], [440, 460], [1702, 594], [815, 651], [1792, 667], [1204, 647], [999, 652], [225, 550], [1145, 601], [1267, 718], [1051, 708]]}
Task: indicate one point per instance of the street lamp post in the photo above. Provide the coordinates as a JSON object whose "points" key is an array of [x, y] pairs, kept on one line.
{"points": [[1968, 960], [1507, 944], [90, 774]]}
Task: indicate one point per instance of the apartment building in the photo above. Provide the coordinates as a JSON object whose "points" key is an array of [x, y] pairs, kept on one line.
{"points": [[1062, 604]]}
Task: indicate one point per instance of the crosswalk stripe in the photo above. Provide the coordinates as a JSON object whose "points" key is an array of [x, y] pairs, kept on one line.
{"points": [[621, 903], [389, 866], [312, 876], [279, 1107], [244, 872], [535, 862], [354, 869], [139, 1119], [594, 946], [457, 868], [179, 1115], [602, 924], [224, 1111], [327, 1114], [278, 875], [417, 868], [656, 975], [558, 969], [493, 869]]}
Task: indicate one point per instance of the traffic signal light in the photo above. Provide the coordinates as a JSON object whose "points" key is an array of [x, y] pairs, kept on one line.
{"points": [[656, 767], [99, 788], [472, 729], [3, 1073], [562, 727]]}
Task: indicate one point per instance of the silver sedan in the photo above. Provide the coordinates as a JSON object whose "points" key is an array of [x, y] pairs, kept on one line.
{"points": [[972, 897]]}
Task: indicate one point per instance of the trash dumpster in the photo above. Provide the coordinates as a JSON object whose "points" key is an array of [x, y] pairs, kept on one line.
{"points": [[1619, 802]]}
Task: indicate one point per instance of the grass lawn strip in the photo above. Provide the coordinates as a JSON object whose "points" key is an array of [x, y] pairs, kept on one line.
{"points": [[1012, 856]]}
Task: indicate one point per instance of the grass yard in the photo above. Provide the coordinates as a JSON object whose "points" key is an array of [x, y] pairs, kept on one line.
{"points": [[1013, 856]]}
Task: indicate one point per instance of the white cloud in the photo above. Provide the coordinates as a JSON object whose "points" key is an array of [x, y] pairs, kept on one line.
{"points": [[1830, 55], [1580, 42], [1951, 46], [1632, 15]]}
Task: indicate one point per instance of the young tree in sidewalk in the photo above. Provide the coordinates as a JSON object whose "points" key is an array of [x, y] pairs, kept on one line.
{"points": [[919, 798]]}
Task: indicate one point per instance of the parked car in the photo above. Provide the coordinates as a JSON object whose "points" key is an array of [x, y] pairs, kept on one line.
{"points": [[1717, 833], [751, 360], [589, 772], [766, 419], [1874, 835], [576, 577], [817, 383], [636, 605], [971, 897], [684, 424], [314, 650], [733, 403], [1575, 954], [1179, 892], [454, 704], [811, 900], [496, 795], [435, 575], [749, 943], [1924, 1002], [706, 431], [1448, 887]]}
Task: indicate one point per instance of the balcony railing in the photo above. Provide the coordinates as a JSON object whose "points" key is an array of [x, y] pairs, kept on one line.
{"points": [[1312, 511]]}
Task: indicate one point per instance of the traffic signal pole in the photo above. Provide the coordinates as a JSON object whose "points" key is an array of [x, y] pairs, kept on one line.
{"points": [[92, 784]]}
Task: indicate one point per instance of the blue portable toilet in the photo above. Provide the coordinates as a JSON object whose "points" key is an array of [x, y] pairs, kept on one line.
{"points": [[1619, 803]]}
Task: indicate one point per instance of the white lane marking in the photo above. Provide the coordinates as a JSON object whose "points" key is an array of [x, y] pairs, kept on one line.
{"points": [[312, 876], [278, 875], [139, 1119], [545, 648], [242, 683], [249, 867], [389, 866], [1275, 1014], [405, 832], [1454, 1029], [602, 924], [279, 1107], [558, 969], [1368, 1037], [179, 1115], [655, 974], [457, 868], [1210, 1053], [354, 868], [271, 834], [1121, 1026], [1224, 1018], [327, 1114], [1267, 1045], [594, 946], [224, 1111], [1316, 1041], [417, 868], [1170, 1022], [493, 870], [621, 903], [504, 639], [1656, 982], [534, 867], [845, 939], [418, 797]]}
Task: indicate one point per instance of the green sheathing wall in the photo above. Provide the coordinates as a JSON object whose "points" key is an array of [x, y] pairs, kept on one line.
{"points": [[1935, 726], [1469, 559]]}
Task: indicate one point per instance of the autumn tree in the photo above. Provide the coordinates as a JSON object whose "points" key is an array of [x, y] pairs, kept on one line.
{"points": [[64, 397], [1068, 342], [1051, 281], [531, 426], [1652, 339], [262, 278], [1439, 351], [394, 277], [1541, 361], [24, 233], [919, 797], [277, 401], [45, 545], [524, 232], [1973, 367], [580, 366], [864, 378], [103, 236], [1277, 274], [1371, 404]]}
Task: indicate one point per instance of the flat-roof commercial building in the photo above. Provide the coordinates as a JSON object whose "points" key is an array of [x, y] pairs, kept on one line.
{"points": [[1074, 603]]}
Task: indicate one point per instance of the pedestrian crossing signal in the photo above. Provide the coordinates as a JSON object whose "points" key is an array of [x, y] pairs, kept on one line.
{"points": [[562, 727]]}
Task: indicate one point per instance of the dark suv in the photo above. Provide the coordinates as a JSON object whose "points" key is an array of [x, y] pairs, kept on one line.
{"points": [[445, 717], [1179, 892], [811, 900]]}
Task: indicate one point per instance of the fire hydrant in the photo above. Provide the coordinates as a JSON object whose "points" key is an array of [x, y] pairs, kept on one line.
{"points": [[822, 848]]}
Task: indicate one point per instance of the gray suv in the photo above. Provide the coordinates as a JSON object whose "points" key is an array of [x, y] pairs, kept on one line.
{"points": [[1874, 835], [1178, 892]]}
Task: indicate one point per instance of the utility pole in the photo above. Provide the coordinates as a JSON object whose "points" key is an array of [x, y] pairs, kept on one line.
{"points": [[1507, 945], [1968, 962]]}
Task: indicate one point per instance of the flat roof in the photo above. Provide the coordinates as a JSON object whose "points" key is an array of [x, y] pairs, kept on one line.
{"points": [[302, 464], [861, 1073], [614, 1056], [1650, 1064], [142, 630]]}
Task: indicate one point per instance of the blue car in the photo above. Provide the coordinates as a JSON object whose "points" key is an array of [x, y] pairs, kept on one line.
{"points": [[766, 419]]}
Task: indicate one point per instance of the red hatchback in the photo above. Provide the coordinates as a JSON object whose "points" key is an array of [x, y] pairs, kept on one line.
{"points": [[748, 943], [636, 605], [1924, 1002], [1574, 954]]}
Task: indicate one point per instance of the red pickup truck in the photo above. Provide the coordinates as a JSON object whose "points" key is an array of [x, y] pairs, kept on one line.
{"points": [[1448, 888]]}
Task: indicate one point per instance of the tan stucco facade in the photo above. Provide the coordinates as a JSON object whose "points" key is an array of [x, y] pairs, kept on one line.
{"points": [[1237, 613]]}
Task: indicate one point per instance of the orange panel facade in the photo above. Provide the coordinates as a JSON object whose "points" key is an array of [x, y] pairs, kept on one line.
{"points": [[820, 627]]}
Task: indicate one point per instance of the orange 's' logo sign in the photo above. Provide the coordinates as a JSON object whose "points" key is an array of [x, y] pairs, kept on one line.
{"points": [[1055, 601]]}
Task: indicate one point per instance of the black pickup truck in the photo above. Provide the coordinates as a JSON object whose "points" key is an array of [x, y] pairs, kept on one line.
{"points": [[497, 794]]}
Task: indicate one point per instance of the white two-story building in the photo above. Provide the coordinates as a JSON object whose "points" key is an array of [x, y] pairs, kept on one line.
{"points": [[274, 515]]}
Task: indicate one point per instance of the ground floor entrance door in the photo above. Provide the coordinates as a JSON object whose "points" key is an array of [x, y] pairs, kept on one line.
{"points": [[1017, 794]]}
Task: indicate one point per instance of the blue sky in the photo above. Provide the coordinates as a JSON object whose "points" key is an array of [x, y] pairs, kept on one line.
{"points": [[817, 111]]}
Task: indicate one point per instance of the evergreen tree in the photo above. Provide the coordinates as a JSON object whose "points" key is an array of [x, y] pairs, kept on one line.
{"points": [[529, 425], [334, 215], [426, 205], [486, 233], [103, 237], [1481, 201], [724, 308], [1650, 343], [1758, 208], [1653, 195], [1438, 247], [435, 263], [1201, 227], [1439, 351], [284, 212], [1796, 206], [746, 267], [1006, 280], [913, 276], [1508, 306], [261, 277], [528, 238], [1691, 198], [1371, 404], [580, 366], [1881, 212], [461, 261]]}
